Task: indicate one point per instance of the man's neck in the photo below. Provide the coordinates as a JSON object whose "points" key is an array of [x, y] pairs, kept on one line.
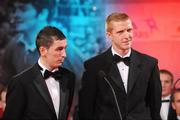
{"points": [[121, 52], [167, 97], [44, 63]]}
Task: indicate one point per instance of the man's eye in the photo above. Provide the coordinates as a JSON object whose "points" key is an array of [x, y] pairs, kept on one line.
{"points": [[129, 30]]}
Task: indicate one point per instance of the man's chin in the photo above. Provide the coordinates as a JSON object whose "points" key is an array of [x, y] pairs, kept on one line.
{"points": [[60, 64], [127, 48]]}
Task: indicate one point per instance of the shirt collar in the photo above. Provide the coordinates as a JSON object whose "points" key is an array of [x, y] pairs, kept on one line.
{"points": [[44, 67], [166, 97]]}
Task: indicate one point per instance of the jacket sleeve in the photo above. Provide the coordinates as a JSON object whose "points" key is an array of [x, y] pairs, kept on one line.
{"points": [[87, 96], [154, 93], [15, 101]]}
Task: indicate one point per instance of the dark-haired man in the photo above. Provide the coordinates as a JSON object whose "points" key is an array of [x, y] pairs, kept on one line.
{"points": [[45, 90]]}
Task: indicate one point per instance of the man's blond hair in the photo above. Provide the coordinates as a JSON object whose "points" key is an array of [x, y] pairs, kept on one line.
{"points": [[116, 16]]}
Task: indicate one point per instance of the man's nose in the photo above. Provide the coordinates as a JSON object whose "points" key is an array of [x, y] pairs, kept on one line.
{"points": [[126, 34], [162, 83], [63, 53]]}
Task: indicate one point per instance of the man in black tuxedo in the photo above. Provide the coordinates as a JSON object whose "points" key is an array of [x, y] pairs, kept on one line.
{"points": [[115, 88], [166, 112], [45, 90]]}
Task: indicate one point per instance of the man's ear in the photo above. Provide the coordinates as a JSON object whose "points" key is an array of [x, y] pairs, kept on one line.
{"points": [[173, 105], [43, 51], [108, 35]]}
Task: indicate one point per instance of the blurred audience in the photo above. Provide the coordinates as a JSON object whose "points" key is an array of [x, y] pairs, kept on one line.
{"points": [[27, 18], [22, 22], [5, 34]]}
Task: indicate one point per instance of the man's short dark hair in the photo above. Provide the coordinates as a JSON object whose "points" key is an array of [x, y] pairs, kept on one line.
{"points": [[46, 36]]}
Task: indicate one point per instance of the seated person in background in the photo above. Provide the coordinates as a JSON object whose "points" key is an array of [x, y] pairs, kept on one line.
{"points": [[176, 103], [28, 18], [167, 111]]}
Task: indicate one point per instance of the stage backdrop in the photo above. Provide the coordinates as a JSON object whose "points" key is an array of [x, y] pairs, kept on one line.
{"points": [[157, 30]]}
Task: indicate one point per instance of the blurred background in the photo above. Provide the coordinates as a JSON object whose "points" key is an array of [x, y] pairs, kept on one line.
{"points": [[156, 31]]}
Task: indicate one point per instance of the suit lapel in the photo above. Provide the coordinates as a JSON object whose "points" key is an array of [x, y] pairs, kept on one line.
{"points": [[115, 76], [41, 86], [134, 70], [64, 95], [112, 70]]}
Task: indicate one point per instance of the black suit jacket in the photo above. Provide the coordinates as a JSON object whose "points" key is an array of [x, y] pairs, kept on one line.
{"points": [[28, 97], [142, 100]]}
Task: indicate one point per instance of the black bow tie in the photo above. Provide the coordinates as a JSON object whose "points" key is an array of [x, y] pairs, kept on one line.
{"points": [[56, 75], [165, 101], [117, 59]]}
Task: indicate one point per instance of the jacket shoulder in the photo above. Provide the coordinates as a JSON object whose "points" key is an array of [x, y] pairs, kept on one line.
{"points": [[145, 57], [95, 61], [68, 75], [67, 72], [27, 73]]}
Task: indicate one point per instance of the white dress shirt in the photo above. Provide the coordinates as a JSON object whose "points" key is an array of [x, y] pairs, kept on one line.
{"points": [[53, 87], [123, 68], [165, 108], [178, 117]]}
